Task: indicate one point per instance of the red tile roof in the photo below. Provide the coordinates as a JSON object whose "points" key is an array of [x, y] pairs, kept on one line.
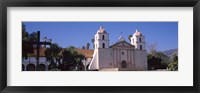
{"points": [[87, 52]]}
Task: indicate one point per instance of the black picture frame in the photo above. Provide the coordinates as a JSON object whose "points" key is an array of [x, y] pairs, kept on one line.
{"points": [[100, 3]]}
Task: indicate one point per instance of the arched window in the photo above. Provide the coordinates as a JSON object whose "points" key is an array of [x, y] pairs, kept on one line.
{"points": [[103, 45], [30, 67], [122, 53], [140, 39], [103, 37], [23, 67], [123, 64], [140, 47], [41, 67]]}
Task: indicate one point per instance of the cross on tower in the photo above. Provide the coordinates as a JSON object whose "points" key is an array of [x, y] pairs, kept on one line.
{"points": [[38, 47]]}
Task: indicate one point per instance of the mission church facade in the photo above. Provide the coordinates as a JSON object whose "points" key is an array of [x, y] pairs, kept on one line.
{"points": [[121, 56]]}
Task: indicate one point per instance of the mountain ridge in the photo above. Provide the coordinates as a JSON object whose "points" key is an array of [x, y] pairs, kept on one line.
{"points": [[170, 52]]}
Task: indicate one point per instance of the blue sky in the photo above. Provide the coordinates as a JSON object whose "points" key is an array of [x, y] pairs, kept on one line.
{"points": [[164, 34]]}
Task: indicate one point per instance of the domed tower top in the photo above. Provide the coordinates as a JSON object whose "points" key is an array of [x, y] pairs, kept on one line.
{"points": [[137, 33], [101, 30]]}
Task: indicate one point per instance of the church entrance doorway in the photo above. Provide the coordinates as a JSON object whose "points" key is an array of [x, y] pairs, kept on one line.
{"points": [[124, 64]]}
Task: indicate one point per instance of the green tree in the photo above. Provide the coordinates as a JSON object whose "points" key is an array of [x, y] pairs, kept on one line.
{"points": [[72, 60], [48, 54], [173, 66], [175, 58], [129, 37], [153, 62], [164, 57], [25, 34], [55, 49], [52, 55], [157, 61], [93, 43], [33, 36], [83, 47], [88, 46], [72, 47], [27, 48], [152, 48]]}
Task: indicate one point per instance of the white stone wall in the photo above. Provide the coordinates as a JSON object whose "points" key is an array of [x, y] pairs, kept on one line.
{"points": [[94, 62], [32, 60], [105, 60], [109, 69], [141, 60], [123, 56], [137, 45], [112, 58], [100, 44], [42, 60], [128, 56]]}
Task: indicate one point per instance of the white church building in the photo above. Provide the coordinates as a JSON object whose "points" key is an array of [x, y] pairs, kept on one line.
{"points": [[121, 56]]}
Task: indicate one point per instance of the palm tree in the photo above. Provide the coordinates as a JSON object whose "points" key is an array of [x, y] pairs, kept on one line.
{"points": [[52, 55], [88, 46], [48, 55], [33, 36], [93, 42], [72, 59], [80, 65], [26, 50], [65, 59], [25, 34], [83, 47], [26, 47], [129, 37]]}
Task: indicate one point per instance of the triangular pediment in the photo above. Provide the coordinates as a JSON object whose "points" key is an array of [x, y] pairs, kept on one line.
{"points": [[122, 44]]}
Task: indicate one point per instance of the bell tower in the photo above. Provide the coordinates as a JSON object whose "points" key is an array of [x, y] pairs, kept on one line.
{"points": [[102, 51], [138, 40], [101, 39]]}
